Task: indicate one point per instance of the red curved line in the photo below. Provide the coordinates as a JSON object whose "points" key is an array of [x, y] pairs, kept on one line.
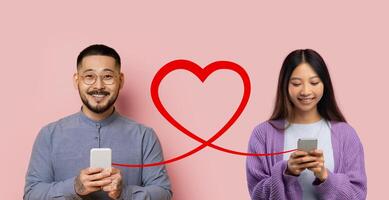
{"points": [[193, 151], [194, 68]]}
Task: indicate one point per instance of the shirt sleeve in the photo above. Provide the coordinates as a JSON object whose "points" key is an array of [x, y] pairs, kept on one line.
{"points": [[350, 182], [265, 179], [40, 183], [156, 184]]}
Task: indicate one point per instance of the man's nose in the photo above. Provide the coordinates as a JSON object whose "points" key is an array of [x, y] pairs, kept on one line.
{"points": [[99, 83]]}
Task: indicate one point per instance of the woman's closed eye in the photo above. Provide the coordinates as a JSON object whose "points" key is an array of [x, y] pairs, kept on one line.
{"points": [[315, 83], [296, 84]]}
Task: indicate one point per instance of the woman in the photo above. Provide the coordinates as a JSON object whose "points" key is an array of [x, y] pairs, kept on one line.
{"points": [[306, 108]]}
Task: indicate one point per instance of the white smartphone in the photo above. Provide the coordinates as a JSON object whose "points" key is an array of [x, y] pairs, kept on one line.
{"points": [[307, 144], [101, 157]]}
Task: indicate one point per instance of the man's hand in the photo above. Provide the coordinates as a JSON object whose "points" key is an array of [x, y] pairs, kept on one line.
{"points": [[90, 180], [114, 189]]}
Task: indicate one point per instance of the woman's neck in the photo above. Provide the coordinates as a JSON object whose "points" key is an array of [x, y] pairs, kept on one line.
{"points": [[305, 117]]}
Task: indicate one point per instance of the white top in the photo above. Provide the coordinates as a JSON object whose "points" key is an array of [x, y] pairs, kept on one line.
{"points": [[320, 130]]}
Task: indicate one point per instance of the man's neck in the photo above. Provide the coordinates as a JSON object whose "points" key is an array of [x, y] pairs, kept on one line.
{"points": [[97, 116]]}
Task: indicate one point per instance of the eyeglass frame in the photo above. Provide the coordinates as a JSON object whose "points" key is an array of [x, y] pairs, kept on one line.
{"points": [[114, 77]]}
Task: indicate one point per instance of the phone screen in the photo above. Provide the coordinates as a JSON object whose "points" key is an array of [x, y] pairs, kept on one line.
{"points": [[307, 144], [101, 157]]}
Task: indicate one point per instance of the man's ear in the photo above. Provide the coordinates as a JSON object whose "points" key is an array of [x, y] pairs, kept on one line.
{"points": [[121, 77], [75, 81]]}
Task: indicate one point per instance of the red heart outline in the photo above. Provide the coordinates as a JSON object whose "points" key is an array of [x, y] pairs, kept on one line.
{"points": [[202, 74]]}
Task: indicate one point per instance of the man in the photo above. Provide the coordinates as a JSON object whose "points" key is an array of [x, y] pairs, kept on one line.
{"points": [[59, 164]]}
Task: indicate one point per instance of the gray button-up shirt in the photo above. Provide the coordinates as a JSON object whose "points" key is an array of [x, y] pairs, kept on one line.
{"points": [[62, 149]]}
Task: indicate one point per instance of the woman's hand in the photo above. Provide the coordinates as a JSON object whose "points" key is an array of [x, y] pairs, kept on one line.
{"points": [[299, 161], [319, 169]]}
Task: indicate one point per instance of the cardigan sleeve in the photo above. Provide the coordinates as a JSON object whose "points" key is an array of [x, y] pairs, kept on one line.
{"points": [[265, 179], [350, 180]]}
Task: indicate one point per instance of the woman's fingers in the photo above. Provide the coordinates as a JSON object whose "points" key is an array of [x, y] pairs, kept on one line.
{"points": [[298, 153], [316, 153]]}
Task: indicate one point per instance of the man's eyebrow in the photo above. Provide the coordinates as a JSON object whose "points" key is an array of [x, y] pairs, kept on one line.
{"points": [[110, 70], [105, 70], [87, 70]]}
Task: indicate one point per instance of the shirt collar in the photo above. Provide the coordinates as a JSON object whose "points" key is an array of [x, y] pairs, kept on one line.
{"points": [[100, 123]]}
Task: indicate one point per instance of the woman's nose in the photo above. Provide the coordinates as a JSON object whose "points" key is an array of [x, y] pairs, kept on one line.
{"points": [[305, 90]]}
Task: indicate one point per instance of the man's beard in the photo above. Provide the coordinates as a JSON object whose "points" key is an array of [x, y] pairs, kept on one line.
{"points": [[98, 109]]}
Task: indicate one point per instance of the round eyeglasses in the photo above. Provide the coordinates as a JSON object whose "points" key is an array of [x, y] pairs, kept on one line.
{"points": [[90, 78]]}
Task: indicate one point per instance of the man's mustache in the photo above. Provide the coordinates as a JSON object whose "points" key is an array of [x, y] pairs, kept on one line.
{"points": [[98, 92]]}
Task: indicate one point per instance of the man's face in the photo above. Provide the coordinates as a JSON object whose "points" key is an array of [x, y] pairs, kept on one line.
{"points": [[98, 80]]}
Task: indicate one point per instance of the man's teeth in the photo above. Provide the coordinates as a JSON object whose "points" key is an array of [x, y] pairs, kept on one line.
{"points": [[98, 95]]}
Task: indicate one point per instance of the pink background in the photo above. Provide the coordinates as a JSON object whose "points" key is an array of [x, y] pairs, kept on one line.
{"points": [[41, 39]]}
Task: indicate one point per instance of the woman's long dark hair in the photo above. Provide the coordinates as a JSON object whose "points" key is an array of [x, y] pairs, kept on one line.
{"points": [[327, 106]]}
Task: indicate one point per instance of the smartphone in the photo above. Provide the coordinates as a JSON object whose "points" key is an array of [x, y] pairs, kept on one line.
{"points": [[101, 158], [307, 144]]}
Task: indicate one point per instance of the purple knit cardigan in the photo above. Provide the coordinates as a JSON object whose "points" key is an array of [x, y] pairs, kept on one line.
{"points": [[266, 178]]}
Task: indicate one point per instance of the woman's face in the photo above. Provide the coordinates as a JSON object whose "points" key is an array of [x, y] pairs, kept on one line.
{"points": [[305, 88]]}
